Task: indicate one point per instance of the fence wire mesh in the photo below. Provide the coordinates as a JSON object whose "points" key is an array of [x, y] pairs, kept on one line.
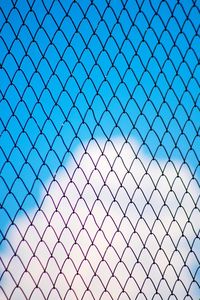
{"points": [[99, 149]]}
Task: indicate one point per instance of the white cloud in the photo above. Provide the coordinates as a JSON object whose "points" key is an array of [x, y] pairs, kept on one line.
{"points": [[117, 225]]}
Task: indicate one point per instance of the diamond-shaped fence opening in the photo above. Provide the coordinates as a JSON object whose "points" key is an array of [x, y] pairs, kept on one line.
{"points": [[99, 150]]}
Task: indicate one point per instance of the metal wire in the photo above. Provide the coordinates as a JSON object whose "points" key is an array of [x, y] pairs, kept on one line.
{"points": [[99, 149]]}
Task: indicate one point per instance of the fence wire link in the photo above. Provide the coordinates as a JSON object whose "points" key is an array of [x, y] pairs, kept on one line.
{"points": [[99, 149]]}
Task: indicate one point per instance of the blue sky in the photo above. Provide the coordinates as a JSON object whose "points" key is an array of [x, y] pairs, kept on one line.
{"points": [[91, 69]]}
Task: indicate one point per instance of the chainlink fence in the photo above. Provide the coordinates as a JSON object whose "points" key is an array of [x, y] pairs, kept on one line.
{"points": [[99, 149]]}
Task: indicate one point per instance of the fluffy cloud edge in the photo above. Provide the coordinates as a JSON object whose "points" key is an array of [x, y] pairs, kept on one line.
{"points": [[113, 220]]}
